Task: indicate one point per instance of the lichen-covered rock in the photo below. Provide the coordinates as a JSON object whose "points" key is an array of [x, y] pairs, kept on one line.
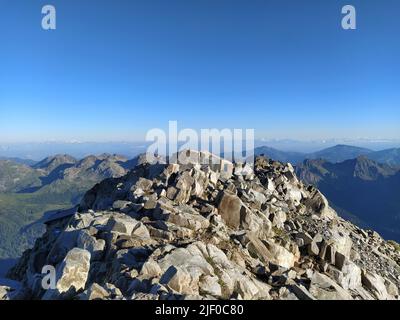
{"points": [[71, 275]]}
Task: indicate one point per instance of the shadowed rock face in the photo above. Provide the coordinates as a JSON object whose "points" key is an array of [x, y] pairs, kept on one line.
{"points": [[193, 232], [360, 189]]}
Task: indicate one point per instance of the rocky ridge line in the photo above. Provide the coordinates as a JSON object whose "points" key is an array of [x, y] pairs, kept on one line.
{"points": [[222, 231]]}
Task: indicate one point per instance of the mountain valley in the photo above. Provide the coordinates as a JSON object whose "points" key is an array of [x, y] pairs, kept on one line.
{"points": [[58, 182]]}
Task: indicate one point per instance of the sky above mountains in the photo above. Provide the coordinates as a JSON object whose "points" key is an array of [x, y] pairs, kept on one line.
{"points": [[112, 70]]}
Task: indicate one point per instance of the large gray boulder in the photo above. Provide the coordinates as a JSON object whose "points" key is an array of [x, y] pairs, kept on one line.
{"points": [[95, 292], [324, 288], [71, 275], [269, 252], [91, 244], [351, 276], [121, 225], [376, 284], [319, 204]]}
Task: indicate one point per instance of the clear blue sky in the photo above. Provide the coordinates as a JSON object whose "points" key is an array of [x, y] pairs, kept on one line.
{"points": [[114, 69]]}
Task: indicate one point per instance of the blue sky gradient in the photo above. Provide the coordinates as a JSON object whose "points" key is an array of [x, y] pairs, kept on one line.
{"points": [[114, 69]]}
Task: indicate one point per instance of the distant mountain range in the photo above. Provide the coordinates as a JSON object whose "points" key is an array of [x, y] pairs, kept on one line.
{"points": [[57, 182], [38, 151], [338, 153], [278, 155], [15, 176], [389, 156], [360, 189], [362, 185], [28, 162]]}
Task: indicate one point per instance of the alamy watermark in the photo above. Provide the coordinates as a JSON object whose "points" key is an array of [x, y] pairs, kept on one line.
{"points": [[49, 18], [49, 277], [206, 146], [349, 21]]}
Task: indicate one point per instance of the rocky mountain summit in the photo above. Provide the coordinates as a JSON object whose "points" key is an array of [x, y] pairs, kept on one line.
{"points": [[65, 167], [51, 171], [220, 230]]}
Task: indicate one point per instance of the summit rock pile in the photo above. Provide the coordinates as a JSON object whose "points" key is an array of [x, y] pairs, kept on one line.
{"points": [[217, 231]]}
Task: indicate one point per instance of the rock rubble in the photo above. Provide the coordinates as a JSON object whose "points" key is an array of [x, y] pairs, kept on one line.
{"points": [[215, 231]]}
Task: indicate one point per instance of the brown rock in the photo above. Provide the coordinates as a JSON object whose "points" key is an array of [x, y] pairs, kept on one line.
{"points": [[230, 208]]}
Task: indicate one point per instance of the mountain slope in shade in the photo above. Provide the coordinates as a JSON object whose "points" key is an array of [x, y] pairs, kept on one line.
{"points": [[339, 153], [362, 187], [389, 156], [335, 154], [278, 155], [50, 163]]}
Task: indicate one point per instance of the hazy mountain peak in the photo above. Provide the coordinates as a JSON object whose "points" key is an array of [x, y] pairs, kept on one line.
{"points": [[50, 163], [278, 155], [361, 188], [368, 169], [389, 156], [339, 153], [15, 176], [349, 147]]}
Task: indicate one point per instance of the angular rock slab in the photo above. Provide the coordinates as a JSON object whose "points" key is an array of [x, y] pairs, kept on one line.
{"points": [[71, 275], [230, 208], [324, 288]]}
